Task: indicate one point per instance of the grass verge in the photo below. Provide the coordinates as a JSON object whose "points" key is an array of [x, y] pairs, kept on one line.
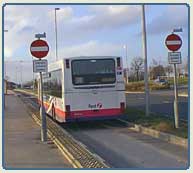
{"points": [[181, 81], [156, 122], [139, 86]]}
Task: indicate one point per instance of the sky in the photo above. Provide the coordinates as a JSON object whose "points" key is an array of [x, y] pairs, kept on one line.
{"points": [[85, 30]]}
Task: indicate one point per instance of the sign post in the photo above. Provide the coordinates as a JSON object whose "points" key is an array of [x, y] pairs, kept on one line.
{"points": [[39, 49], [176, 114], [173, 43], [144, 39]]}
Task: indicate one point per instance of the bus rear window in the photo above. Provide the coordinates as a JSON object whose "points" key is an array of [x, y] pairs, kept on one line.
{"points": [[93, 71]]}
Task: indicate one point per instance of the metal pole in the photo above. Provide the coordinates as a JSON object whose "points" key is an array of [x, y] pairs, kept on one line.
{"points": [[5, 71], [56, 35], [176, 115], [40, 95], [127, 73], [32, 75], [16, 76], [21, 75], [145, 61], [42, 113]]}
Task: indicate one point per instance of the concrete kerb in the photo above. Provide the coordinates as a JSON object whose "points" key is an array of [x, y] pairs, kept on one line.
{"points": [[72, 160], [64, 151], [134, 92], [157, 134]]}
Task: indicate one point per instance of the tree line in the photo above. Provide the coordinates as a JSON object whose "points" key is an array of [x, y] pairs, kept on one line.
{"points": [[156, 69]]}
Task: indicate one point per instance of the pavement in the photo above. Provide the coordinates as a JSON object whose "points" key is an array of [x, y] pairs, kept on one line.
{"points": [[22, 143], [161, 102], [124, 148]]}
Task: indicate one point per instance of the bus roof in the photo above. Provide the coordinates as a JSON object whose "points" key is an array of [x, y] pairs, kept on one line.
{"points": [[88, 57]]}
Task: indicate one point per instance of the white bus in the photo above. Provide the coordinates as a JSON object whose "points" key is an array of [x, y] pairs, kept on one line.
{"points": [[84, 88]]}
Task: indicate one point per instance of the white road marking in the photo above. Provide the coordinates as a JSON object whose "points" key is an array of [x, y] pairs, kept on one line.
{"points": [[166, 101]]}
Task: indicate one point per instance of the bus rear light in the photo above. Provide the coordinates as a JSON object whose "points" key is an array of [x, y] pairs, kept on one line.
{"points": [[67, 110], [122, 106], [67, 63], [119, 62]]}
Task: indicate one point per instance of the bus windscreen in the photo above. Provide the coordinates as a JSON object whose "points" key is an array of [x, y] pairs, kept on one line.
{"points": [[93, 71]]}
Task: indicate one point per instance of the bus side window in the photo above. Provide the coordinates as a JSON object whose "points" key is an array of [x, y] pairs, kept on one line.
{"points": [[53, 83]]}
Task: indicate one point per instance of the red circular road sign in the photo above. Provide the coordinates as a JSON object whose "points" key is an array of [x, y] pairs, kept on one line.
{"points": [[173, 42], [39, 48]]}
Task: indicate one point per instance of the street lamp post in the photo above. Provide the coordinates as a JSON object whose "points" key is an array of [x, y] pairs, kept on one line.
{"points": [[145, 61], [127, 68], [5, 79], [56, 56], [21, 73], [5, 30], [16, 77]]}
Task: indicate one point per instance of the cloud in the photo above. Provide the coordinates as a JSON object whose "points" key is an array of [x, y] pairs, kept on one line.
{"points": [[23, 22], [19, 71], [65, 13], [173, 17], [84, 31], [90, 48], [8, 52], [19, 22], [104, 19], [100, 18], [13, 14], [112, 17]]}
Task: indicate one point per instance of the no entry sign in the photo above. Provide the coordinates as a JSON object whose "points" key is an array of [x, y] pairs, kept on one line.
{"points": [[173, 42], [39, 48]]}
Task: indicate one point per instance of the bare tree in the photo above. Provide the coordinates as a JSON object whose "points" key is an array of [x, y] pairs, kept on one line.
{"points": [[154, 62], [168, 70], [137, 66], [157, 71], [179, 69]]}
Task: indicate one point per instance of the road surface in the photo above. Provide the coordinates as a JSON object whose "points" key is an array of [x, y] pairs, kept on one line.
{"points": [[121, 147], [161, 102]]}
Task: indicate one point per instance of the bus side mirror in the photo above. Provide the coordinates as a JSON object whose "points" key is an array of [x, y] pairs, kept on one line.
{"points": [[67, 63], [118, 62]]}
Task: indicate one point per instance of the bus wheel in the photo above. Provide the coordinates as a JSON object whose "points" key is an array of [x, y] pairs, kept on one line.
{"points": [[53, 113]]}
